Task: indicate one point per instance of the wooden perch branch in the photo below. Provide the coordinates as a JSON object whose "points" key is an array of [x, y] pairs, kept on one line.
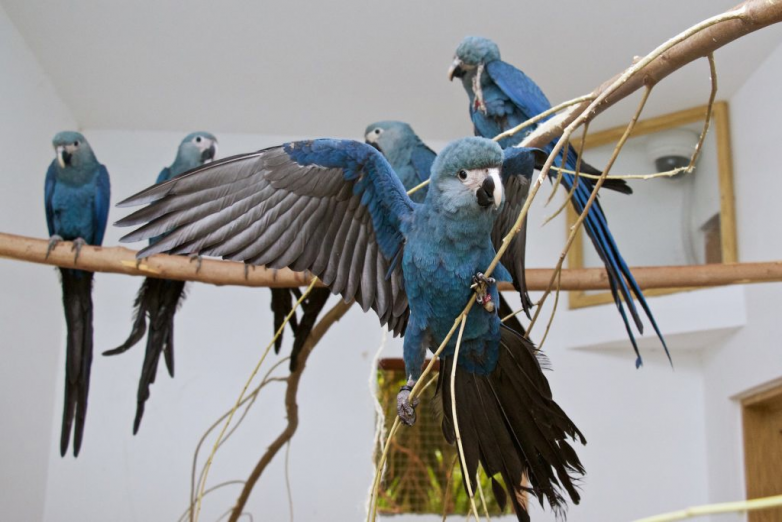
{"points": [[119, 260], [757, 14]]}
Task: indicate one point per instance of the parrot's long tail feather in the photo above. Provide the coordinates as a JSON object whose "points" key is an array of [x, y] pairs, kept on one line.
{"points": [[312, 306], [77, 303], [157, 301], [282, 304], [509, 423], [623, 284]]}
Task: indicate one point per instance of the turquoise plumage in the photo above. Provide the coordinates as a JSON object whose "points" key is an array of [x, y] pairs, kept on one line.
{"points": [[76, 199], [337, 208]]}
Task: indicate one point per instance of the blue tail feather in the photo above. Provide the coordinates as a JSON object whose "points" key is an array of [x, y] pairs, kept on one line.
{"points": [[596, 226]]}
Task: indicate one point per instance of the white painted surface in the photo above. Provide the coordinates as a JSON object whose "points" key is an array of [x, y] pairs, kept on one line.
{"points": [[31, 320], [658, 439], [330, 68], [751, 357]]}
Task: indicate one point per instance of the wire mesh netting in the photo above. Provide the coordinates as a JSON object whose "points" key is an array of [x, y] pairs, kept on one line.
{"points": [[422, 473]]}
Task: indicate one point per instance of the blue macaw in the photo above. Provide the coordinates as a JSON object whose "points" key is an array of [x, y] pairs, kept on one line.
{"points": [[159, 299], [408, 155], [76, 196], [412, 160], [502, 97], [337, 208]]}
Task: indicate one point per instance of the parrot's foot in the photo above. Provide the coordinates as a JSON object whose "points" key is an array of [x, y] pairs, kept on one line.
{"points": [[246, 271], [53, 242], [481, 284], [198, 260], [404, 408], [78, 243]]}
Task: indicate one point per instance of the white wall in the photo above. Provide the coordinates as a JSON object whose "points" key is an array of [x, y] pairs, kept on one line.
{"points": [[751, 357], [627, 415], [646, 428], [31, 113]]}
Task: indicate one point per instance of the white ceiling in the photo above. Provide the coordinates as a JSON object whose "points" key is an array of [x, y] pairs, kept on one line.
{"points": [[330, 68]]}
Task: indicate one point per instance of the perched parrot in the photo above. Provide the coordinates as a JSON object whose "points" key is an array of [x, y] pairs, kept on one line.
{"points": [[76, 196], [408, 155], [502, 97], [412, 160], [159, 299], [337, 208]]}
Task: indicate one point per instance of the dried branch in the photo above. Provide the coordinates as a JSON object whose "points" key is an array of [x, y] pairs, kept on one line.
{"points": [[244, 391], [747, 17], [714, 509], [576, 227], [231, 273], [291, 407]]}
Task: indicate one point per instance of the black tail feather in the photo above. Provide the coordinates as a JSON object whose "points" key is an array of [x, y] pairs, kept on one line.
{"points": [[510, 424], [312, 306], [513, 321], [77, 303], [157, 301], [282, 304]]}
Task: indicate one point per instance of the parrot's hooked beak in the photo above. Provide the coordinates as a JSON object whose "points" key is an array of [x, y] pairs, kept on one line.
{"points": [[455, 70], [209, 153], [490, 190], [63, 156]]}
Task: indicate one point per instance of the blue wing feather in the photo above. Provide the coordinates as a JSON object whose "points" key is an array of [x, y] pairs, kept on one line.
{"points": [[519, 88], [102, 198], [529, 100], [48, 196], [381, 190], [423, 158]]}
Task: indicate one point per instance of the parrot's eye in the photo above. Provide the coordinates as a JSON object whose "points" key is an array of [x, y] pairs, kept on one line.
{"points": [[378, 131], [462, 174], [198, 139], [75, 143]]}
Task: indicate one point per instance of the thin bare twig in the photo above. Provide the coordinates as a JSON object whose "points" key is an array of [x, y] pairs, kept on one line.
{"points": [[250, 397], [244, 390], [715, 509], [291, 406], [543, 115], [459, 447], [576, 227]]}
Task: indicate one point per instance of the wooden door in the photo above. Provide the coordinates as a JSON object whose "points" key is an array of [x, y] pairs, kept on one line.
{"points": [[762, 415]]}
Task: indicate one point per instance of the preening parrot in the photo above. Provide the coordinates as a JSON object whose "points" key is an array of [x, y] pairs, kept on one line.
{"points": [[502, 97]]}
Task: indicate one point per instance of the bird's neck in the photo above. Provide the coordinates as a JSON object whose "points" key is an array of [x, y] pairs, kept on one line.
{"points": [[466, 229], [77, 174], [184, 163]]}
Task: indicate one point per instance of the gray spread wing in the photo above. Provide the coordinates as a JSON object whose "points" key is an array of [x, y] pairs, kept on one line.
{"points": [[266, 208]]}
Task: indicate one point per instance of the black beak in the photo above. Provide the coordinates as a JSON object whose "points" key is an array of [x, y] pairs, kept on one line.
{"points": [[66, 157], [208, 154], [374, 144], [486, 192]]}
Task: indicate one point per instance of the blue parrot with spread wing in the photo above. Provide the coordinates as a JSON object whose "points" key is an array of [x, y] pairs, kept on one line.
{"points": [[337, 208], [159, 299], [412, 160], [502, 97], [76, 197]]}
